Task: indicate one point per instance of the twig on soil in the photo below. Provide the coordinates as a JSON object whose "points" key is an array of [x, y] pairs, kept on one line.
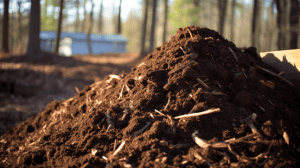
{"points": [[125, 114], [128, 89], [274, 74], [167, 103], [286, 138], [259, 106], [77, 90], [108, 120], [262, 163], [141, 64], [94, 151], [141, 130], [280, 73], [202, 83], [183, 50], [271, 102], [198, 156], [212, 110], [121, 92], [180, 68], [159, 112], [190, 33], [249, 121], [226, 158], [244, 73], [200, 142], [104, 157], [218, 93], [233, 54], [119, 148], [236, 155], [115, 144], [219, 84], [112, 77]]}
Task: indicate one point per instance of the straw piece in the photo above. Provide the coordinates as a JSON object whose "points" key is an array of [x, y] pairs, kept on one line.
{"points": [[183, 50], [167, 103], [200, 142], [274, 74], [159, 112], [198, 156], [202, 83], [233, 54], [121, 92], [77, 90], [190, 33], [212, 110], [119, 148]]}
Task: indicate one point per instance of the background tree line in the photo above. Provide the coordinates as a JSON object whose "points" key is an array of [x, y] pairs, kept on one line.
{"points": [[268, 25]]}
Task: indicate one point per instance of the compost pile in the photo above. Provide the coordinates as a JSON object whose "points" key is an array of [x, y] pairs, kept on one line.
{"points": [[249, 117]]}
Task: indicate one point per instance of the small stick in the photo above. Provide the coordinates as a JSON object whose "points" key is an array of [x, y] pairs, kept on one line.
{"points": [[141, 130], [233, 54], [244, 73], [128, 89], [225, 159], [108, 120], [274, 74], [115, 144], [280, 73], [167, 103], [212, 110], [218, 93], [141, 64], [121, 92], [259, 106], [219, 84], [254, 129], [236, 155], [202, 83], [119, 148], [286, 138], [200, 142], [77, 90], [198, 156], [190, 33], [183, 50], [249, 119], [159, 112], [125, 114], [180, 68], [271, 102], [212, 58]]}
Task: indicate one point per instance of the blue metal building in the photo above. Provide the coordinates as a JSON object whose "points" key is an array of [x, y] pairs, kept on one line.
{"points": [[76, 43]]}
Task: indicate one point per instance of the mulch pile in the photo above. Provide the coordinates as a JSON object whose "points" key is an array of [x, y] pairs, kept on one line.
{"points": [[135, 119]]}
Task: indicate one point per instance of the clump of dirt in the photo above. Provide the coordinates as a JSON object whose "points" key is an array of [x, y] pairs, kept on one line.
{"points": [[135, 119]]}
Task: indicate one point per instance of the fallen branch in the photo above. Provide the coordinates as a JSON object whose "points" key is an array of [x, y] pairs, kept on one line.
{"points": [[202, 83], [180, 68], [233, 54], [274, 74], [212, 110], [141, 130]]}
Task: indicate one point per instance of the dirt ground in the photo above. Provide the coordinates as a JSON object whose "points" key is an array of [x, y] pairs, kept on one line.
{"points": [[196, 101]]}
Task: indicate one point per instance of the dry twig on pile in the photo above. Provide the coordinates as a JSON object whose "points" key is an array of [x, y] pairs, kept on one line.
{"points": [[212, 110]]}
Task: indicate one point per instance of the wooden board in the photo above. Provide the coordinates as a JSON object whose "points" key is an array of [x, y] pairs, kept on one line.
{"points": [[287, 61]]}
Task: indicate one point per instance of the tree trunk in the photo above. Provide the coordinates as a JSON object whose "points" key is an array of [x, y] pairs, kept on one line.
{"points": [[77, 16], [90, 29], [5, 27], [20, 26], [294, 23], [34, 49], [59, 27], [222, 12], [232, 20], [165, 20], [282, 24], [100, 28], [256, 24], [144, 30], [152, 35], [119, 19], [270, 26], [84, 13]]}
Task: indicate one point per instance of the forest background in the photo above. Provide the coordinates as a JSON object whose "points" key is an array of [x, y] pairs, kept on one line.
{"points": [[268, 25]]}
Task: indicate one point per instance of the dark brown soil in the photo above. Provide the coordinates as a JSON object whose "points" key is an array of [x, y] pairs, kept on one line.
{"points": [[86, 130]]}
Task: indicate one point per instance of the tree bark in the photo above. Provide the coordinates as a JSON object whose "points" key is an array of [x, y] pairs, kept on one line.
{"points": [[100, 28], [59, 26], [232, 20], [256, 24], [20, 26], [165, 21], [5, 27], [282, 23], [77, 16], [84, 13], [270, 26], [222, 12], [152, 35], [144, 30], [294, 23], [90, 29], [34, 51], [119, 19]]}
